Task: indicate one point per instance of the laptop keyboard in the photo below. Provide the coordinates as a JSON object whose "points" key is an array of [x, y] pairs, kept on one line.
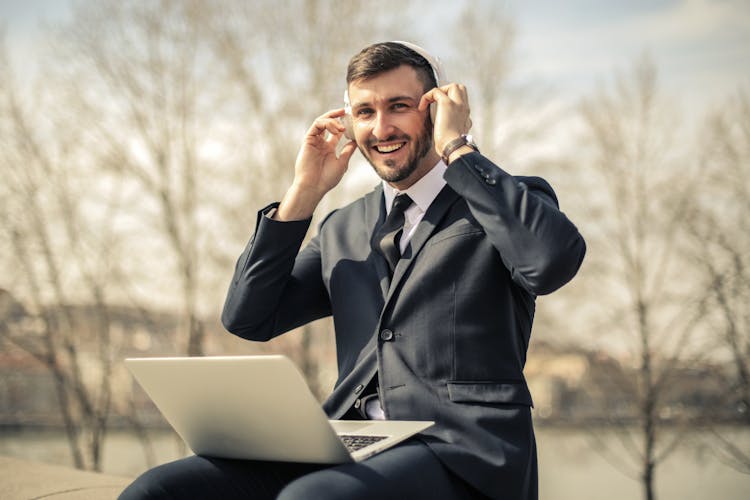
{"points": [[354, 442]]}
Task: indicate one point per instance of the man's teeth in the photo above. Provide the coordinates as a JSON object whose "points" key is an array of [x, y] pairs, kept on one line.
{"points": [[389, 149]]}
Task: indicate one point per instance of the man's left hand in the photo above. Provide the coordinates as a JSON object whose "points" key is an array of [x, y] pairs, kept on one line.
{"points": [[452, 118]]}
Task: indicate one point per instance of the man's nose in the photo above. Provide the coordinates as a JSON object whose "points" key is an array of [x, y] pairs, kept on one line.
{"points": [[382, 126]]}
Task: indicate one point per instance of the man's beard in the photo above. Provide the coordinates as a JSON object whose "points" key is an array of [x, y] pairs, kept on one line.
{"points": [[421, 148]]}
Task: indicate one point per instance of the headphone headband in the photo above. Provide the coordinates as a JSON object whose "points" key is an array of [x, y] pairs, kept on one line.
{"points": [[437, 67]]}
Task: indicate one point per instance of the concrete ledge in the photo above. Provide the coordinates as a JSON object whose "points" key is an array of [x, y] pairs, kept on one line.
{"points": [[26, 480]]}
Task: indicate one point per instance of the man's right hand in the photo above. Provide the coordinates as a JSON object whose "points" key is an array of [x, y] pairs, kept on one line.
{"points": [[317, 169]]}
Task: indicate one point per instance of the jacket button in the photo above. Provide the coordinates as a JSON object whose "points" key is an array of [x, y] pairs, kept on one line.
{"points": [[358, 389], [490, 181], [386, 335], [357, 403]]}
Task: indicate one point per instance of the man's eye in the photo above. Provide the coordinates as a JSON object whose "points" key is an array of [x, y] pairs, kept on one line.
{"points": [[400, 106], [364, 112]]}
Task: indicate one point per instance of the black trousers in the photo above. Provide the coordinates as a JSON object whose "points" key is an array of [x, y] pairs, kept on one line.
{"points": [[409, 471]]}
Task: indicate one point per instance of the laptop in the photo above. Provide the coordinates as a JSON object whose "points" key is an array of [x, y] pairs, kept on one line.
{"points": [[258, 408]]}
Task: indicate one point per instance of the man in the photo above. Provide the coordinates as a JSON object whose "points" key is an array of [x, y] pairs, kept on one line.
{"points": [[432, 300]]}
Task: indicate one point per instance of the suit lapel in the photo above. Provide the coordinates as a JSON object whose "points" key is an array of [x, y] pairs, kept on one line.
{"points": [[426, 227]]}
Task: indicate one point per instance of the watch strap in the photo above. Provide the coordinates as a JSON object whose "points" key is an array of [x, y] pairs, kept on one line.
{"points": [[462, 140]]}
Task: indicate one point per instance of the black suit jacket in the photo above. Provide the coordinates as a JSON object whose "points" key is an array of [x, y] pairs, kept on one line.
{"points": [[448, 333]]}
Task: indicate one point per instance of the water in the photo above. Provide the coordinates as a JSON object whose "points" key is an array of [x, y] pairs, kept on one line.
{"points": [[569, 467]]}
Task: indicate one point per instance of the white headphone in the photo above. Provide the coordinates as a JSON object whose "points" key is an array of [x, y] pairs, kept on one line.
{"points": [[437, 71]]}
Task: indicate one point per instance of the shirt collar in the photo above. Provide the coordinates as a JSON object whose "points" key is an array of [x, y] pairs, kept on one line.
{"points": [[422, 192]]}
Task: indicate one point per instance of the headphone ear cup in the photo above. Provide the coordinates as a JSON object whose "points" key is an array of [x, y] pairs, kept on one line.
{"points": [[346, 121]]}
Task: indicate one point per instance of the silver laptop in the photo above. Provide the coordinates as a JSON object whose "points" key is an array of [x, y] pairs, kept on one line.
{"points": [[258, 407]]}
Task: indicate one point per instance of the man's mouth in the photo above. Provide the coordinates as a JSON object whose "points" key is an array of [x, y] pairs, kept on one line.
{"points": [[389, 148]]}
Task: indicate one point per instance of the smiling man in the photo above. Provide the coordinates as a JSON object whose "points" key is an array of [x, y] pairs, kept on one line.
{"points": [[431, 281]]}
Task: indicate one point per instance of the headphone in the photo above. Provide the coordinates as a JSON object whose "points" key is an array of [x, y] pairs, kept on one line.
{"points": [[437, 71]]}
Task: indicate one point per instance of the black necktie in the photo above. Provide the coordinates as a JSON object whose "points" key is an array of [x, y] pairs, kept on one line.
{"points": [[389, 234]]}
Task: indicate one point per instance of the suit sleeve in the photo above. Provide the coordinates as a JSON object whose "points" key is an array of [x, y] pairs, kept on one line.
{"points": [[274, 289], [538, 244]]}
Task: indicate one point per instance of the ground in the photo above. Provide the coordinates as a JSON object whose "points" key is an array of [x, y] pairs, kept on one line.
{"points": [[25, 480]]}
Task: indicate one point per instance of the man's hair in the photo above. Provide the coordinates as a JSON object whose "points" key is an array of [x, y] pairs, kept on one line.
{"points": [[381, 57]]}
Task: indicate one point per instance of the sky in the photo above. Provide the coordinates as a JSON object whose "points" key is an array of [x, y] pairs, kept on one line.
{"points": [[701, 47]]}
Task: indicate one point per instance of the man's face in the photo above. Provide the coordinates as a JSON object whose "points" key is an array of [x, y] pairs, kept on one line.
{"points": [[394, 136]]}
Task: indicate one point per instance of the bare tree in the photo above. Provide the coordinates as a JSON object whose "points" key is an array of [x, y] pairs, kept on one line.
{"points": [[720, 249], [57, 257], [148, 88], [638, 194]]}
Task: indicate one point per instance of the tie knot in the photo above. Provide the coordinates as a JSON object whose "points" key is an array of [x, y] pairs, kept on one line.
{"points": [[401, 203]]}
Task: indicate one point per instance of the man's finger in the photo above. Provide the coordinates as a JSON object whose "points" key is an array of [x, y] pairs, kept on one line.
{"points": [[457, 93], [335, 127], [324, 124], [429, 97], [334, 113]]}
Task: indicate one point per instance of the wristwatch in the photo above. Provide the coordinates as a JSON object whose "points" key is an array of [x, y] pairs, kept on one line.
{"points": [[462, 140]]}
